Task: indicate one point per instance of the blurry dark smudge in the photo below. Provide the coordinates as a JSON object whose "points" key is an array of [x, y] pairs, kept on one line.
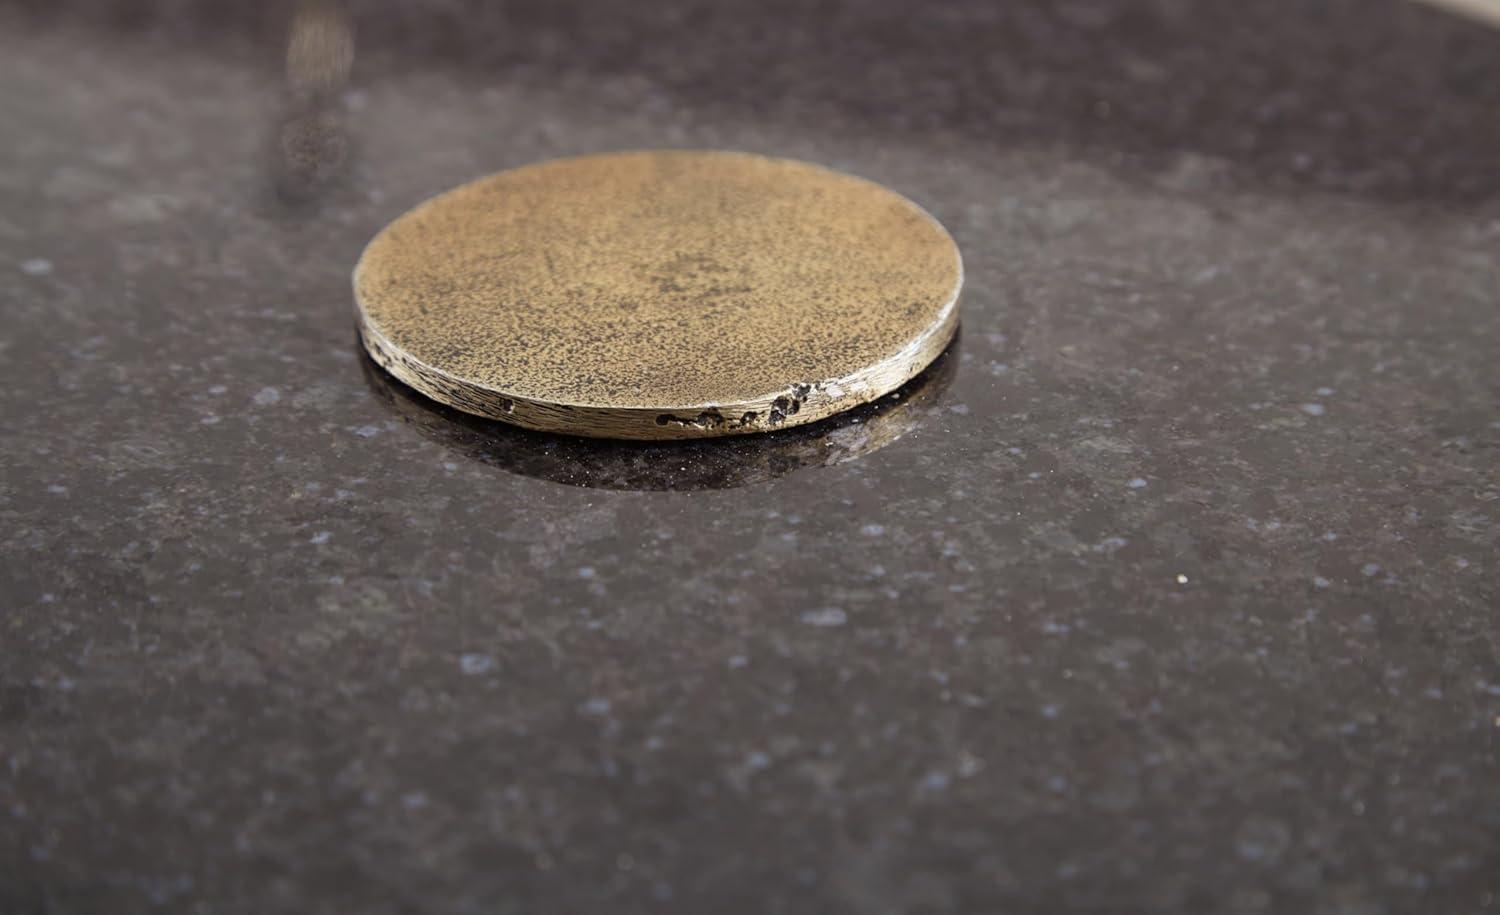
{"points": [[311, 142], [720, 463]]}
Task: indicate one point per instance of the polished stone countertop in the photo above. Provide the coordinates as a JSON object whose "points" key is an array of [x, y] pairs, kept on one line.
{"points": [[1173, 587]]}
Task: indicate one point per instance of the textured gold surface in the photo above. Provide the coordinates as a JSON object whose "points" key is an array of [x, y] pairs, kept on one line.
{"points": [[659, 294]]}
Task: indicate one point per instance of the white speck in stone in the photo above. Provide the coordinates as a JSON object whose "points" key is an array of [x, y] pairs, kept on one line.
{"points": [[1013, 450], [1110, 544], [960, 409], [266, 396], [757, 761], [58, 489], [1461, 562], [1320, 582], [367, 431], [935, 781], [1370, 570], [586, 572], [320, 538], [872, 530], [1182, 579], [827, 616], [1313, 409], [414, 800], [738, 661], [49, 598], [1054, 628], [475, 664], [1260, 839], [36, 266], [335, 579], [595, 706], [1034, 475], [218, 389], [998, 368], [1137, 483], [833, 389], [210, 420], [1330, 536], [1050, 711], [1326, 392], [878, 570]]}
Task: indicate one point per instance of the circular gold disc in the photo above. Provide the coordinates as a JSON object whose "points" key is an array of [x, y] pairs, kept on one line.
{"points": [[667, 294]]}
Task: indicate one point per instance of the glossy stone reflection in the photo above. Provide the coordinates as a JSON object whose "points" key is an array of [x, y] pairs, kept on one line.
{"points": [[673, 465], [311, 138]]}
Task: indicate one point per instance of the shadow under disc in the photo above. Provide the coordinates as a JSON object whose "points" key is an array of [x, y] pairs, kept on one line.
{"points": [[721, 463]]}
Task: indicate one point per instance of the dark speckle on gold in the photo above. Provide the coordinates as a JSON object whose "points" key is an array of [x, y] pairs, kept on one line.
{"points": [[662, 294]]}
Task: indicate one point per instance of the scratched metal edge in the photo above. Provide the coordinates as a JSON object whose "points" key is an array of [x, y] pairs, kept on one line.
{"points": [[805, 402], [798, 403]]}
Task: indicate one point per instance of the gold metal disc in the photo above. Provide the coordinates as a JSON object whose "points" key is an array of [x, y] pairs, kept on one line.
{"points": [[650, 295]]}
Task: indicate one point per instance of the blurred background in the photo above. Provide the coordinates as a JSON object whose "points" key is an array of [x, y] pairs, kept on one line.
{"points": [[1336, 95]]}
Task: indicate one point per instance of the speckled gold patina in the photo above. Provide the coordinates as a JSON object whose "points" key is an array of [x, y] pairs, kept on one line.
{"points": [[668, 294]]}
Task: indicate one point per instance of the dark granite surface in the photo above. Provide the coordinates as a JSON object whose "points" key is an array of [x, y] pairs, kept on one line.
{"points": [[1173, 588]]}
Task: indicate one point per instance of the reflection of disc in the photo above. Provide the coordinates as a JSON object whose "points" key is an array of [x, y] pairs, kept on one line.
{"points": [[679, 465], [659, 294]]}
